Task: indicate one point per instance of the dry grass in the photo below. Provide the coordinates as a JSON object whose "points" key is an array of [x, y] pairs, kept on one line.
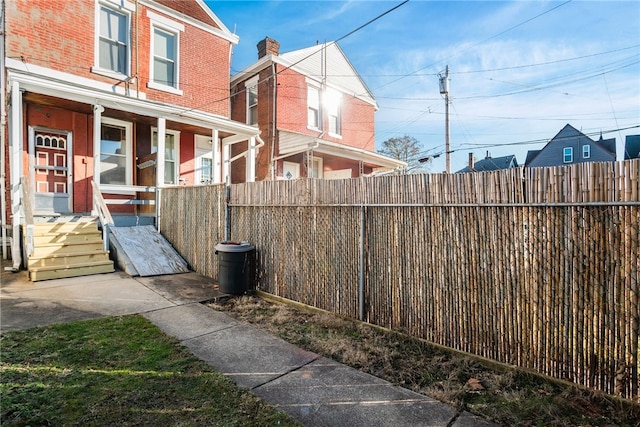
{"points": [[505, 396]]}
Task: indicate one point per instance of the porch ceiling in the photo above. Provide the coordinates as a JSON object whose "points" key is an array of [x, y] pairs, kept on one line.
{"points": [[84, 108]]}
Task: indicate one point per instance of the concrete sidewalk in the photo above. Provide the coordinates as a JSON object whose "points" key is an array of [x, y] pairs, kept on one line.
{"points": [[314, 390]]}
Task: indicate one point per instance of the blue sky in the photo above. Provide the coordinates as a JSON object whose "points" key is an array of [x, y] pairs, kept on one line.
{"points": [[519, 70]]}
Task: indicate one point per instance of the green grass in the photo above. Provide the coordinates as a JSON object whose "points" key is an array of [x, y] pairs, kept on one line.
{"points": [[117, 371]]}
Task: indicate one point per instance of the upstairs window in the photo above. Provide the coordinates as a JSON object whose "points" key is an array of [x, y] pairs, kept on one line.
{"points": [[165, 55], [332, 103], [568, 155], [113, 41], [586, 151], [313, 108], [252, 105]]}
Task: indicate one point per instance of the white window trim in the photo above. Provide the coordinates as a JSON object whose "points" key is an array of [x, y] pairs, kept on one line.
{"points": [[176, 138], [128, 148], [564, 155], [320, 163], [586, 151], [175, 28], [126, 8], [202, 149], [319, 109], [334, 93], [252, 82]]}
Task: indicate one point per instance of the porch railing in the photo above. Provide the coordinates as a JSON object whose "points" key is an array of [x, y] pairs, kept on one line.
{"points": [[104, 215], [27, 211]]}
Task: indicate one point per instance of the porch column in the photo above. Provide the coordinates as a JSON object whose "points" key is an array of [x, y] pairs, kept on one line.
{"points": [[97, 137], [162, 128], [251, 160], [15, 158], [226, 162], [216, 158]]}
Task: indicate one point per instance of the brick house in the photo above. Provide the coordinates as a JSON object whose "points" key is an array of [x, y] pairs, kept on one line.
{"points": [[132, 94], [313, 111]]}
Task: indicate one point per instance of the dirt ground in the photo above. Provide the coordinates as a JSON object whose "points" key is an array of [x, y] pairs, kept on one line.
{"points": [[503, 395]]}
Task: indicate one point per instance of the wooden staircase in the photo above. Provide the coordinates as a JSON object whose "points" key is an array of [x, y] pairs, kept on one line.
{"points": [[67, 249]]}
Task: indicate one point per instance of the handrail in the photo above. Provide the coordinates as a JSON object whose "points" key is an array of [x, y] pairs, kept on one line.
{"points": [[27, 210], [104, 215]]}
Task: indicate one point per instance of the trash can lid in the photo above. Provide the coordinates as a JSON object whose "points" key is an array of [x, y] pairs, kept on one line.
{"points": [[234, 247]]}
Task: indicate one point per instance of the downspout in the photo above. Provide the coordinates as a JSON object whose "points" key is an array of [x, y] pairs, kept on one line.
{"points": [[137, 53], [3, 124], [274, 95], [361, 270]]}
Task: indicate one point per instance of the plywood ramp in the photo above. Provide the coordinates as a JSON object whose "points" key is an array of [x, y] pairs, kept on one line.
{"points": [[143, 251]]}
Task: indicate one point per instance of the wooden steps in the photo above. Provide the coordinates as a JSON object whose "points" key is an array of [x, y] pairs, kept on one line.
{"points": [[67, 249]]}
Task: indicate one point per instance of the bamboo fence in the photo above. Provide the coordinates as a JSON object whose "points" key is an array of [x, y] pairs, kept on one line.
{"points": [[532, 267]]}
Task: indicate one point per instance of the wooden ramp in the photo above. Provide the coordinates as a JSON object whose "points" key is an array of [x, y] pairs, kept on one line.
{"points": [[143, 251]]}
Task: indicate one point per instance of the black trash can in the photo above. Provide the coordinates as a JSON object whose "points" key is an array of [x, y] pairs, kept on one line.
{"points": [[236, 267]]}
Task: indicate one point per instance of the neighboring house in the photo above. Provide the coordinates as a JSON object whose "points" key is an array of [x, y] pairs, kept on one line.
{"points": [[490, 163], [314, 112], [632, 147], [128, 93], [571, 146]]}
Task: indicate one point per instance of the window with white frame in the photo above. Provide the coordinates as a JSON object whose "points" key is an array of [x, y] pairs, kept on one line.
{"points": [[586, 151], [314, 120], [112, 46], [251, 89], [115, 152], [171, 154], [165, 55], [316, 166], [332, 101], [203, 160], [568, 155]]}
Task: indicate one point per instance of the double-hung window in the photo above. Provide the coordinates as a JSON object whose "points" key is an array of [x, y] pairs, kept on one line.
{"points": [[113, 48], [171, 154], [314, 120], [332, 101], [567, 155], [115, 152], [165, 53], [251, 88], [586, 151]]}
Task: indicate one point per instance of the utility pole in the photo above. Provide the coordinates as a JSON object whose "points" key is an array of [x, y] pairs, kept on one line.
{"points": [[444, 90]]}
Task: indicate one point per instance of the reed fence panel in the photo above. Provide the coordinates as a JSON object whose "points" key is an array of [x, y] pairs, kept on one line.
{"points": [[193, 220], [538, 268]]}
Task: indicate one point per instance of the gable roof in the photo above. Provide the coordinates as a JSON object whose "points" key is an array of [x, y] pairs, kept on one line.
{"points": [[198, 10], [323, 62], [492, 164], [632, 147], [569, 133]]}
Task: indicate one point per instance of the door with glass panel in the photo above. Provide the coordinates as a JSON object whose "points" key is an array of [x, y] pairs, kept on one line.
{"points": [[50, 172]]}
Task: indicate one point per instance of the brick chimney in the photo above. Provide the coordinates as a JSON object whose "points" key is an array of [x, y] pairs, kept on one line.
{"points": [[471, 161], [268, 46]]}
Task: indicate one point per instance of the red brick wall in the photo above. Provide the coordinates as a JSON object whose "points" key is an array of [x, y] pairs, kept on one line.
{"points": [[357, 118], [59, 34]]}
